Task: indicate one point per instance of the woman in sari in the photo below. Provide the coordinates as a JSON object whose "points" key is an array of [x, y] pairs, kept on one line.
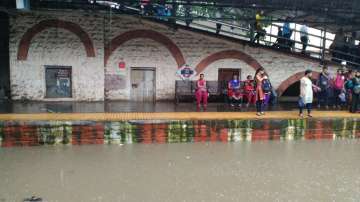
{"points": [[260, 76], [201, 93], [249, 89]]}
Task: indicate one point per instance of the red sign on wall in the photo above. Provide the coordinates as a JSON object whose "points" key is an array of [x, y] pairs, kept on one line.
{"points": [[122, 65]]}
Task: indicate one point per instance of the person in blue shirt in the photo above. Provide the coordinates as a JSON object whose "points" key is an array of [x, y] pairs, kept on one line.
{"points": [[286, 31], [286, 34], [235, 94], [324, 82]]}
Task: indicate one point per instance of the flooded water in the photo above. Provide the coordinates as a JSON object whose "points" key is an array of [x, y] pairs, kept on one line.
{"points": [[309, 170], [235, 160]]}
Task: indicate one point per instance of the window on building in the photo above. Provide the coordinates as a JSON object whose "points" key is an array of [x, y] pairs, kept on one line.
{"points": [[58, 82]]}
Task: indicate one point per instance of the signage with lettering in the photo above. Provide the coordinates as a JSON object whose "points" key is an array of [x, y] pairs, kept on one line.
{"points": [[186, 72]]}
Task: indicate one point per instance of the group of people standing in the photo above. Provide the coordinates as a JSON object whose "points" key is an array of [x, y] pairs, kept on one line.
{"points": [[345, 48], [339, 90], [342, 90], [283, 36]]}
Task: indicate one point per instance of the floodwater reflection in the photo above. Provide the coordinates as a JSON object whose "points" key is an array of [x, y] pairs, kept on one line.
{"points": [[18, 133]]}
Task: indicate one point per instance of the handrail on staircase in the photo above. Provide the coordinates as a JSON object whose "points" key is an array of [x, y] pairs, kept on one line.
{"points": [[246, 33]]}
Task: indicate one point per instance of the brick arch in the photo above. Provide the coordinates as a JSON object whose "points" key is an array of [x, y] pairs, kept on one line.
{"points": [[148, 34], [293, 79], [45, 24], [227, 54]]}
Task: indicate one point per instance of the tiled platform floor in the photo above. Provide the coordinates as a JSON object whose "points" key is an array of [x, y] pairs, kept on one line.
{"points": [[123, 106]]}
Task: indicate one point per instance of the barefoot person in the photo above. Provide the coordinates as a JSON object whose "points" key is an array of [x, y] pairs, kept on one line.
{"points": [[306, 93], [260, 76], [201, 93]]}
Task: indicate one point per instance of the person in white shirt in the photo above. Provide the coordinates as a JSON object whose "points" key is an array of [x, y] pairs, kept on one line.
{"points": [[306, 93], [304, 37]]}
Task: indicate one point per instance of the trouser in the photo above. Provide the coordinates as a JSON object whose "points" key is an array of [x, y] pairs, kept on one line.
{"points": [[259, 105], [337, 99], [250, 97], [267, 99], [349, 97], [355, 102], [304, 40], [201, 96], [324, 97], [235, 101], [259, 33], [308, 107], [218, 28]]}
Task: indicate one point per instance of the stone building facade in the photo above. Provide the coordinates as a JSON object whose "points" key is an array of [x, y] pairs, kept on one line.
{"points": [[94, 45]]}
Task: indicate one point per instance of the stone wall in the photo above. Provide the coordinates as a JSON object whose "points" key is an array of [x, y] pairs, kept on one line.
{"points": [[55, 46], [138, 43]]}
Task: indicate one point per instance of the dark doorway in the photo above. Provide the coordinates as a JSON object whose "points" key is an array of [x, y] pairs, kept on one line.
{"points": [[293, 90], [4, 56]]}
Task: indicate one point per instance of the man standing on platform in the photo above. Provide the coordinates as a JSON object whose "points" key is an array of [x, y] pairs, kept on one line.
{"points": [[355, 89], [306, 93], [324, 83]]}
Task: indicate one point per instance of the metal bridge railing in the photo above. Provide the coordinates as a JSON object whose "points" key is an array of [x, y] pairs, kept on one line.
{"points": [[246, 33], [315, 51]]}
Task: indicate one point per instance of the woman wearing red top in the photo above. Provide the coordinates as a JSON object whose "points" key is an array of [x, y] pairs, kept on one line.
{"points": [[201, 93], [260, 95], [249, 89]]}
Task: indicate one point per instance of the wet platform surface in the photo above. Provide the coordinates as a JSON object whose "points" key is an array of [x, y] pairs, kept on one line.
{"points": [[260, 171], [120, 106]]}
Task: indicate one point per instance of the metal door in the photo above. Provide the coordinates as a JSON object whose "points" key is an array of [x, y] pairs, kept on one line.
{"points": [[143, 84]]}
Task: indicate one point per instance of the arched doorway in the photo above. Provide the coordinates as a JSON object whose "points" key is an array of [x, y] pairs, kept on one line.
{"points": [[293, 90], [289, 89]]}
